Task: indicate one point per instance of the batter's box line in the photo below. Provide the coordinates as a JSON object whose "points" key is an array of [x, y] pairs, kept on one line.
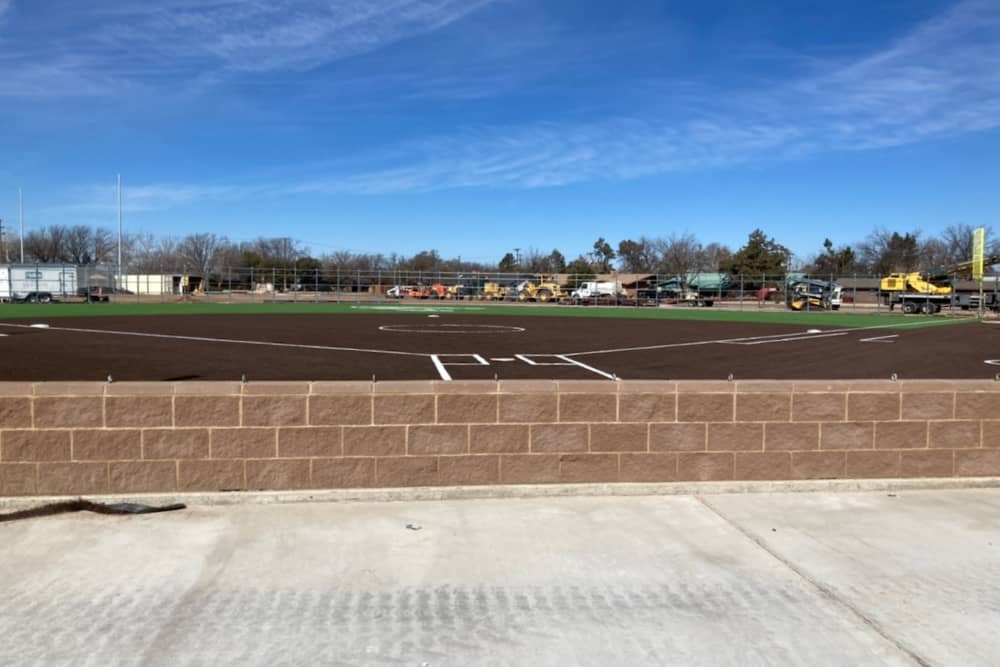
{"points": [[441, 363]]}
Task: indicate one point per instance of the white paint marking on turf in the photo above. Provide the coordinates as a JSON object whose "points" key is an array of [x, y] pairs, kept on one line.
{"points": [[421, 309], [442, 371], [441, 364], [880, 339], [724, 341], [450, 328], [205, 339], [564, 360], [589, 368], [477, 360], [792, 338]]}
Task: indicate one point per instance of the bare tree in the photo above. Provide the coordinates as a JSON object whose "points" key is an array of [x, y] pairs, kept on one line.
{"points": [[198, 252], [637, 256], [678, 254], [46, 244], [714, 256]]}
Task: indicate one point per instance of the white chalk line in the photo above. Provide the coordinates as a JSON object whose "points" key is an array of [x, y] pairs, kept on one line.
{"points": [[749, 339], [442, 371], [881, 339], [237, 341]]}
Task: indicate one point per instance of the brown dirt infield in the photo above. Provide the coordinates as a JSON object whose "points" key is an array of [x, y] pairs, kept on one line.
{"points": [[400, 347]]}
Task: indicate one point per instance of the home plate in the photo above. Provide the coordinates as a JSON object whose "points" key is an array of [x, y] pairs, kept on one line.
{"points": [[433, 316], [501, 358], [39, 326], [814, 331]]}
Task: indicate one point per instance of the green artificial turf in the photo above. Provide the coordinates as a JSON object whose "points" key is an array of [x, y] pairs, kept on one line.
{"points": [[750, 314]]}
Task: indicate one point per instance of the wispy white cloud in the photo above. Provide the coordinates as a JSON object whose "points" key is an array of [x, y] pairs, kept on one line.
{"points": [[942, 79], [5, 6], [278, 35], [95, 202], [184, 42]]}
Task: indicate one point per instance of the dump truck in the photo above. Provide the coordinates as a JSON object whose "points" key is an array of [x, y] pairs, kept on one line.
{"points": [[599, 290], [928, 292]]}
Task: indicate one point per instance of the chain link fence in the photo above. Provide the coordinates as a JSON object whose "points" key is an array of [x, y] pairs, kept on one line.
{"points": [[854, 292]]}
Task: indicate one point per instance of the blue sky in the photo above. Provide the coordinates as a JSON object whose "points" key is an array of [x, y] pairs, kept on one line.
{"points": [[477, 126]]}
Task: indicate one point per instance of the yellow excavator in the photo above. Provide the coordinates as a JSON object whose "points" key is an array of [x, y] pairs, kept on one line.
{"points": [[927, 291]]}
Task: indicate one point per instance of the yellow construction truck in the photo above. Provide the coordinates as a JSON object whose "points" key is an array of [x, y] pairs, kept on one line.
{"points": [[928, 292], [543, 291]]}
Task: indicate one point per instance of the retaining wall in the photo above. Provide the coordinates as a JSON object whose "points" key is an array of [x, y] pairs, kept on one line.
{"points": [[96, 438]]}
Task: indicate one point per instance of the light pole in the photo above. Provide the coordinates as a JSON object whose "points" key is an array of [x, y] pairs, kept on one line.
{"points": [[118, 284], [20, 221]]}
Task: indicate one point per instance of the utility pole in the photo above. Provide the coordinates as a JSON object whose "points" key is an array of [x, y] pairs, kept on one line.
{"points": [[118, 284], [20, 219]]}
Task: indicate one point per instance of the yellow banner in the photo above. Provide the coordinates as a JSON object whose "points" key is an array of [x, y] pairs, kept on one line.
{"points": [[978, 250]]}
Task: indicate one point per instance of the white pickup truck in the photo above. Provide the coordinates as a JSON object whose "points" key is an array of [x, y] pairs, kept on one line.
{"points": [[596, 290]]}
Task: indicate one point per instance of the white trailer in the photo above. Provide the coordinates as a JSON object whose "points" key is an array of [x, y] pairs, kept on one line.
{"points": [[37, 283]]}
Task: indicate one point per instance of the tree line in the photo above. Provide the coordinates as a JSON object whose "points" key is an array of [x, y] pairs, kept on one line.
{"points": [[880, 253]]}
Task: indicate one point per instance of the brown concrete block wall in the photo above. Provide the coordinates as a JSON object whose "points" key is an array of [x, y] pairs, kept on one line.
{"points": [[90, 438]]}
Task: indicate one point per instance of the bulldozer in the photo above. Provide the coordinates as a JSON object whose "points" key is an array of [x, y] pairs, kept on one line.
{"points": [[543, 291], [494, 292]]}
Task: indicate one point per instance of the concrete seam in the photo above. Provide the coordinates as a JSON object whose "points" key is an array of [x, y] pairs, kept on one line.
{"points": [[620, 489], [825, 591]]}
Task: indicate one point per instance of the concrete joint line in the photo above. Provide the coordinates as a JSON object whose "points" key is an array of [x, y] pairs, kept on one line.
{"points": [[824, 591]]}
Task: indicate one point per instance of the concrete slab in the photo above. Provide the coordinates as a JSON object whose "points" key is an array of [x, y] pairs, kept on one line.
{"points": [[922, 567], [592, 580]]}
